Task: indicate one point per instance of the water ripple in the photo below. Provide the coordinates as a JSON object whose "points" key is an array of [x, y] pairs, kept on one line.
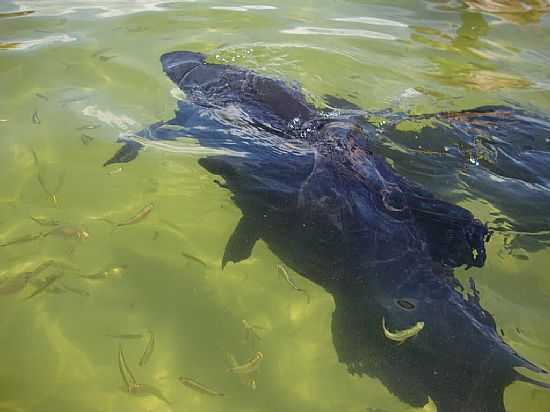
{"points": [[339, 32]]}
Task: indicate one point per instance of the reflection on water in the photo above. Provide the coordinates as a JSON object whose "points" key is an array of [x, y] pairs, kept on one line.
{"points": [[78, 75]]}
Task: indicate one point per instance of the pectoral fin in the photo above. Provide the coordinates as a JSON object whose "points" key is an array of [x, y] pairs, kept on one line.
{"points": [[242, 240], [126, 153]]}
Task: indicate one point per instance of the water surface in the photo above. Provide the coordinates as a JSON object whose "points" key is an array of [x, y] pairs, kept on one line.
{"points": [[75, 75]]}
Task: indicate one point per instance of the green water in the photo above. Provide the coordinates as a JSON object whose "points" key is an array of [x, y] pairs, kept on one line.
{"points": [[75, 74]]}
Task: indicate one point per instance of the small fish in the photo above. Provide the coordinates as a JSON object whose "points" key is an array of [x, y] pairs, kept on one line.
{"points": [[125, 372], [115, 171], [149, 348], [142, 214], [142, 389], [282, 270], [43, 221], [88, 127], [86, 139], [199, 387], [104, 274], [36, 117], [15, 284], [101, 51], [194, 258], [251, 329], [68, 232], [247, 380], [41, 96], [25, 238], [106, 58], [402, 335], [50, 280], [78, 291], [51, 195], [125, 335], [251, 366]]}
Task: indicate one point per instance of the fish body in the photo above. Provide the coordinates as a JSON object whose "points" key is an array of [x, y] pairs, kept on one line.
{"points": [[249, 367], [48, 281], [199, 387], [142, 214], [149, 348], [22, 239], [402, 335], [316, 188]]}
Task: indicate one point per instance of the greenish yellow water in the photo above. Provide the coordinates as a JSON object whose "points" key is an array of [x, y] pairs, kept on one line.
{"points": [[74, 65]]}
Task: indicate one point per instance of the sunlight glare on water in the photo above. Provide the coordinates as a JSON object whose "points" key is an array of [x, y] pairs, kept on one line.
{"points": [[137, 246]]}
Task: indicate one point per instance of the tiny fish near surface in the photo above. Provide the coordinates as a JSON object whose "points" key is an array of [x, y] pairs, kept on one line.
{"points": [[251, 366], [199, 387]]}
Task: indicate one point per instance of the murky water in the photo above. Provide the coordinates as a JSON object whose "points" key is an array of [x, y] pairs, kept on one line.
{"points": [[76, 74]]}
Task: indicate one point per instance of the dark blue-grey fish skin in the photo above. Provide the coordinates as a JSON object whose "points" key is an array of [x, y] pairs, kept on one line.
{"points": [[311, 186]]}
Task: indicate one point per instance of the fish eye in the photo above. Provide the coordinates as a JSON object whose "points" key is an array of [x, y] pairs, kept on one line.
{"points": [[406, 304]]}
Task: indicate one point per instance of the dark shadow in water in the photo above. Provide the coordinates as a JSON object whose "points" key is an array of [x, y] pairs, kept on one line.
{"points": [[311, 187]]}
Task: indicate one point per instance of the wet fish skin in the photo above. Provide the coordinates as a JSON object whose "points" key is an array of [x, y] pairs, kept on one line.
{"points": [[199, 387]]}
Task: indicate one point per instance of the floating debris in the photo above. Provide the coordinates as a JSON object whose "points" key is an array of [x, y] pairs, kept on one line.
{"points": [[282, 270], [36, 117], [149, 348], [251, 366], [402, 335], [44, 221], [199, 387], [48, 281], [194, 258]]}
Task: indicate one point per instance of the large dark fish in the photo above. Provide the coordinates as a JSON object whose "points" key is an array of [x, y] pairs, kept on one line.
{"points": [[310, 185]]}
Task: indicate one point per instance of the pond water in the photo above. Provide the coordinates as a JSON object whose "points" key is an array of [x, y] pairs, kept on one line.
{"points": [[147, 298]]}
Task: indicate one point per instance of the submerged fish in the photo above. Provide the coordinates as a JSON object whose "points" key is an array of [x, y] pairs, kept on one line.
{"points": [[44, 221], [142, 214], [78, 291], [193, 258], [249, 367], [22, 239], [125, 335], [48, 281], [251, 329], [69, 232], [282, 270], [113, 272], [86, 139], [149, 348], [35, 117], [125, 372], [199, 387], [402, 335], [315, 186]]}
